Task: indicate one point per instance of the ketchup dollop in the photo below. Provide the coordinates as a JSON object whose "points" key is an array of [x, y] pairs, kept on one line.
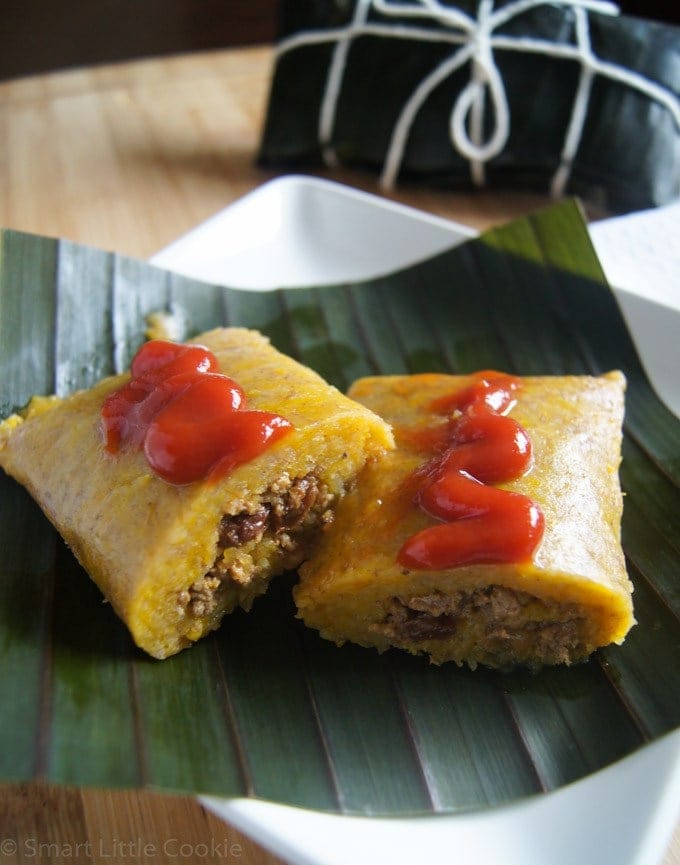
{"points": [[191, 421], [479, 446]]}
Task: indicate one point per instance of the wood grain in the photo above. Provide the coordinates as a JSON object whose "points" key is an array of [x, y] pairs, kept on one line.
{"points": [[58, 825], [128, 157]]}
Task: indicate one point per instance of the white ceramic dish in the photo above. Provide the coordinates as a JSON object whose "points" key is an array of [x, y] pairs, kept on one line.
{"points": [[640, 253], [298, 231]]}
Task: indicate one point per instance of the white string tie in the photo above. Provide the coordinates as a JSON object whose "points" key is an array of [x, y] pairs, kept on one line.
{"points": [[469, 107], [474, 41]]}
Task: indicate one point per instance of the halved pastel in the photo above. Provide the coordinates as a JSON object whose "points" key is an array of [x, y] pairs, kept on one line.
{"points": [[570, 598], [173, 559]]}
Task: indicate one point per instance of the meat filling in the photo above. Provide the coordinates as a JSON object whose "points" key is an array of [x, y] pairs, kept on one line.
{"points": [[499, 617], [288, 514]]}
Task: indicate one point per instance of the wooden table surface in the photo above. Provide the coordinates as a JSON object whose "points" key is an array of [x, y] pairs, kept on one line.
{"points": [[128, 157]]}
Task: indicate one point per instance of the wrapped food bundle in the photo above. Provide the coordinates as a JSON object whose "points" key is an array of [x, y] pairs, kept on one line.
{"points": [[550, 96], [183, 487], [491, 534]]}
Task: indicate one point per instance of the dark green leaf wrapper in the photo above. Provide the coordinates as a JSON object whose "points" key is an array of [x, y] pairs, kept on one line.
{"points": [[264, 707], [629, 152]]}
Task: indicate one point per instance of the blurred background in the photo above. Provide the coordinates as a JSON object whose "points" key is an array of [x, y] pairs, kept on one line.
{"points": [[40, 35]]}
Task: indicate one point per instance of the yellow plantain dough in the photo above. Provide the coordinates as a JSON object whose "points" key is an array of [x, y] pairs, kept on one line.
{"points": [[172, 560], [573, 597]]}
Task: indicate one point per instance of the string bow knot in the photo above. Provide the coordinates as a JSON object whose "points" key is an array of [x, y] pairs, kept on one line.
{"points": [[476, 40]]}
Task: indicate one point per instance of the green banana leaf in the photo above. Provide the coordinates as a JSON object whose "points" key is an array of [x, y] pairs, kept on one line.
{"points": [[348, 74], [264, 707]]}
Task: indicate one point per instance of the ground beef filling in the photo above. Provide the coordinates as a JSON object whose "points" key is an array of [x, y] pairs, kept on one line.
{"points": [[497, 613], [289, 513]]}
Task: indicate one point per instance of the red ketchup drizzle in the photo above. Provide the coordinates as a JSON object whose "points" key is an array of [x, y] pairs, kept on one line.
{"points": [[191, 420], [479, 446]]}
